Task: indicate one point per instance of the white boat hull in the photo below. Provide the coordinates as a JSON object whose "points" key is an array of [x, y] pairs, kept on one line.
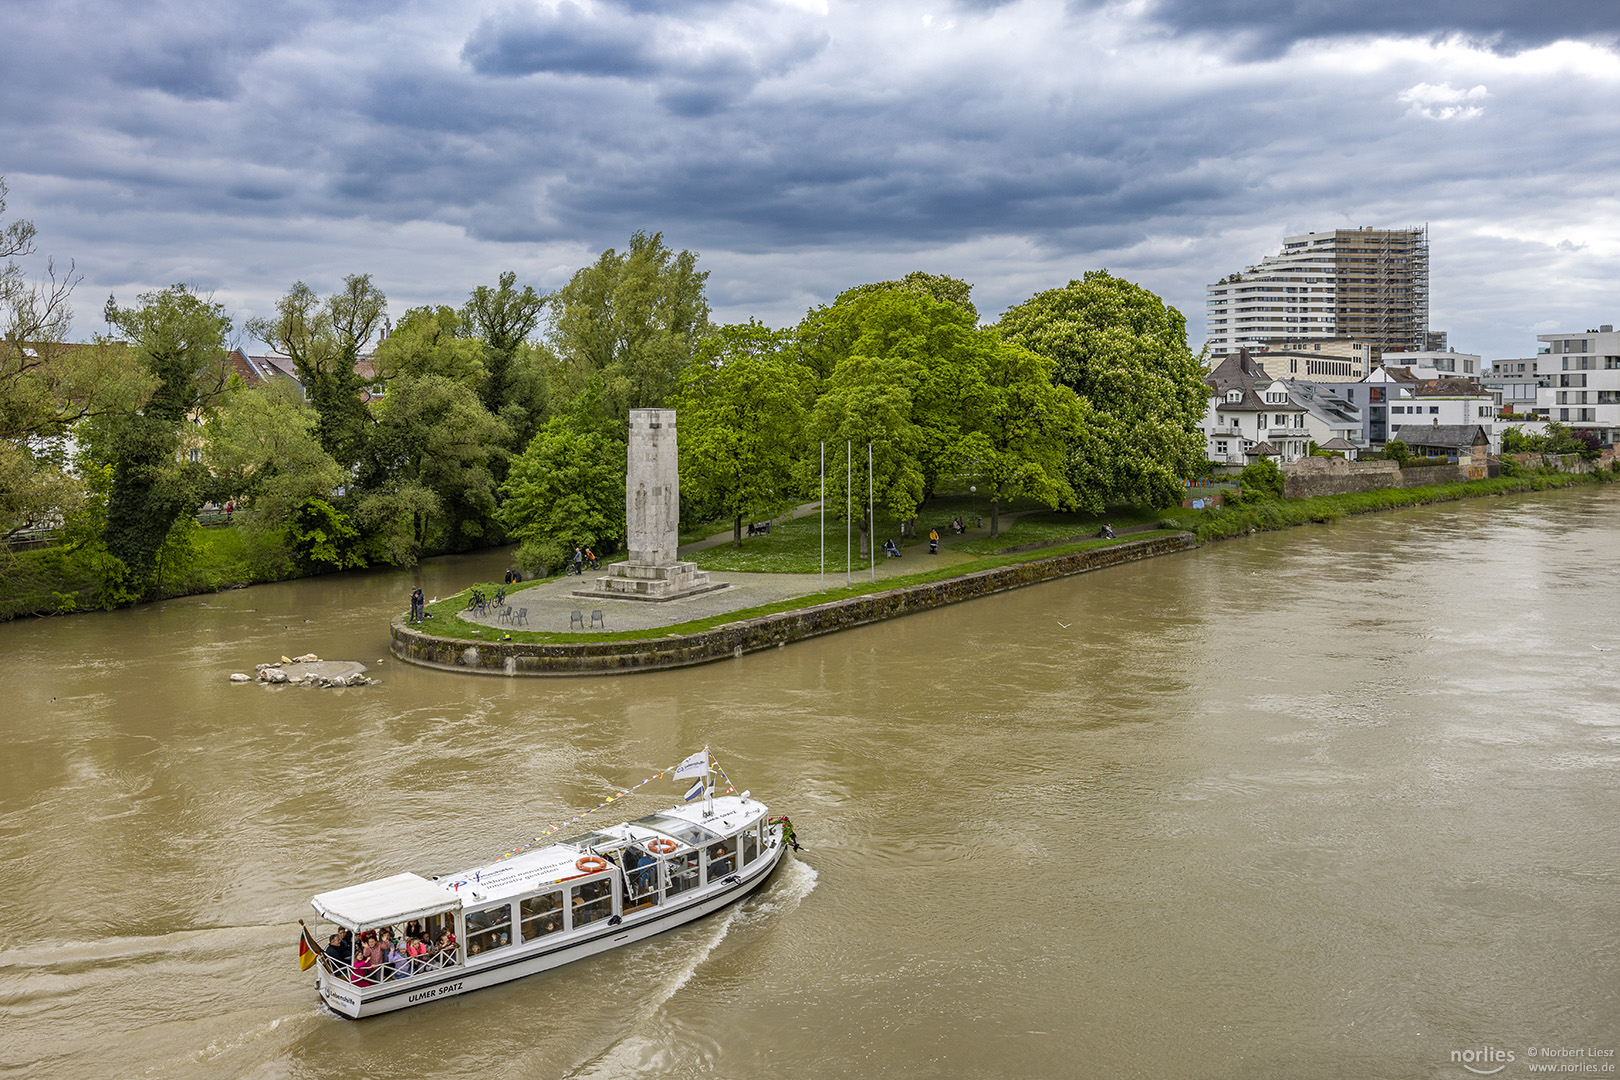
{"points": [[522, 960]]}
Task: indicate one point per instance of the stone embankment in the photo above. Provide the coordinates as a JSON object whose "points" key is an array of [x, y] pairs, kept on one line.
{"points": [[751, 635]]}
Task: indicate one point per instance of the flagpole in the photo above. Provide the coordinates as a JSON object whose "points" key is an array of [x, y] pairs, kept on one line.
{"points": [[871, 516], [824, 513], [849, 524]]}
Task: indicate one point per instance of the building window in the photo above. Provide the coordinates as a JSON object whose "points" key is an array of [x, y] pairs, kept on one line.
{"points": [[1220, 449], [1433, 409]]}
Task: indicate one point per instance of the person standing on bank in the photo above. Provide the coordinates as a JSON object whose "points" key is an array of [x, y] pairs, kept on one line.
{"points": [[933, 541]]}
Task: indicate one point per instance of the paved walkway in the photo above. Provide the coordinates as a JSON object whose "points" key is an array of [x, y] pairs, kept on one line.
{"points": [[551, 604]]}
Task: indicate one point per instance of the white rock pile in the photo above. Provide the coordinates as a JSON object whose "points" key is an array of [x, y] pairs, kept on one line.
{"points": [[274, 674]]}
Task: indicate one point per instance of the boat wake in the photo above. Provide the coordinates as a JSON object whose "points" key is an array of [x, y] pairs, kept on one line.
{"points": [[635, 1054]]}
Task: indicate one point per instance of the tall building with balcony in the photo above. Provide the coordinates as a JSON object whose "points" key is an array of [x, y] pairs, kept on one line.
{"points": [[1366, 284], [1583, 373]]}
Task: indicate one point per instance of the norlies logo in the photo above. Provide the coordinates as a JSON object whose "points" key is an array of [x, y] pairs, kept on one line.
{"points": [[1479, 1061]]}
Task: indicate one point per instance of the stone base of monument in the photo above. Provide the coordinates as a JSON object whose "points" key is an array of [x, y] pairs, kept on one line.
{"points": [[636, 581]]}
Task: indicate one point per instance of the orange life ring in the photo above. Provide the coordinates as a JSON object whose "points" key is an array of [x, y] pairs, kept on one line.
{"points": [[590, 864], [661, 846]]}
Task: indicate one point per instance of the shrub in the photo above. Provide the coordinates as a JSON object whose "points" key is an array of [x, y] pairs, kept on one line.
{"points": [[1397, 451], [540, 558], [1260, 481]]}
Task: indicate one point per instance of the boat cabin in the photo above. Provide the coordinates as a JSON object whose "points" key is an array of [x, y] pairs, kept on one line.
{"points": [[406, 932]]}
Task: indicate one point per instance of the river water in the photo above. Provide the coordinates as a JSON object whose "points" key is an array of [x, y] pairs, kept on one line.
{"points": [[1338, 801]]}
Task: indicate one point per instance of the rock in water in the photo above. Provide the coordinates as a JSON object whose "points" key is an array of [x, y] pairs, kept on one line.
{"points": [[307, 658], [239, 677], [286, 660]]}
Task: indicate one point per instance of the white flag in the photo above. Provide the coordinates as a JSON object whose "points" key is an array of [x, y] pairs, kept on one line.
{"points": [[696, 765], [693, 792]]}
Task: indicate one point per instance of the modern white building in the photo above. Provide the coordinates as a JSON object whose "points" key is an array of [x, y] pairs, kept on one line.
{"points": [[1516, 383], [1332, 419], [1583, 375], [1328, 360], [1429, 364], [1366, 284]]}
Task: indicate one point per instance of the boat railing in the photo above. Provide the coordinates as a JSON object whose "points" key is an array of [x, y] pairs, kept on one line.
{"points": [[388, 972]]}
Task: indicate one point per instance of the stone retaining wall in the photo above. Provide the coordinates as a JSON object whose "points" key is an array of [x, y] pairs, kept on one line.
{"points": [[750, 635], [1312, 476]]}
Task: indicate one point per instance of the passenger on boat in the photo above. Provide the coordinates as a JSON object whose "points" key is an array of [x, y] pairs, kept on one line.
{"points": [[416, 951], [722, 867], [398, 962]]}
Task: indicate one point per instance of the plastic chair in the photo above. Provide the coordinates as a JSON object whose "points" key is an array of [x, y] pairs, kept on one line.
{"points": [[576, 619], [522, 616], [596, 620]]}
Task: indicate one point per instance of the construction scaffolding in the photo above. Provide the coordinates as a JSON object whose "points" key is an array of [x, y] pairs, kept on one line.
{"points": [[1383, 287]]}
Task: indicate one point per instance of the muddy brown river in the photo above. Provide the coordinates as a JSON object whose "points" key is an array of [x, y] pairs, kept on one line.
{"points": [[1339, 801]]}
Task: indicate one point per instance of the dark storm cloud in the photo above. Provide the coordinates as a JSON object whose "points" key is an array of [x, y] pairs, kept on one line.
{"points": [[1014, 143], [1272, 26]]}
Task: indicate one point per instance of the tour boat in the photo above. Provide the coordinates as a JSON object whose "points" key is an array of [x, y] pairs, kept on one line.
{"points": [[535, 909]]}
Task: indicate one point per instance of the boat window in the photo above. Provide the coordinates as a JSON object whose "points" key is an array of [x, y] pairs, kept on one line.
{"points": [[684, 831], [721, 861], [489, 929], [750, 844], [640, 879], [541, 915], [592, 840], [683, 872], [592, 901]]}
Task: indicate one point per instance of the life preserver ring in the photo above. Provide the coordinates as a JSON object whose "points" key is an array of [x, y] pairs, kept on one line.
{"points": [[590, 864], [661, 846]]}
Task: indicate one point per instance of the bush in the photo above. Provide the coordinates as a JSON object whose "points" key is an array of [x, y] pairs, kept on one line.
{"points": [[540, 558], [1260, 481], [1397, 451]]}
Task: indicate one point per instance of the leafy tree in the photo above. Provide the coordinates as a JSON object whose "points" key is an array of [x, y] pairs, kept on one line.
{"points": [[427, 473], [431, 341], [179, 339], [1021, 426], [934, 286], [261, 450], [47, 386], [631, 320], [742, 414], [1124, 352], [1397, 451], [566, 489], [503, 317], [828, 334], [325, 338], [323, 536]]}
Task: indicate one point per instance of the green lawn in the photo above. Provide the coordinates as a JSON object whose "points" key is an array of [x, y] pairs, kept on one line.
{"points": [[447, 621], [1056, 525]]}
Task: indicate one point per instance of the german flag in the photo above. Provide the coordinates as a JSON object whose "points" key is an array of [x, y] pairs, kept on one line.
{"points": [[307, 949]]}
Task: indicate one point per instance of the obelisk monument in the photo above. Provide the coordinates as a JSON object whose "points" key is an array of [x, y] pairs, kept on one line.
{"points": [[652, 516]]}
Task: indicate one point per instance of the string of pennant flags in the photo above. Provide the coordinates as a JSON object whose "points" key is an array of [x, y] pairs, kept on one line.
{"points": [[553, 830]]}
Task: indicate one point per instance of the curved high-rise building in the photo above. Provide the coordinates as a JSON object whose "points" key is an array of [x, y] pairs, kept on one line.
{"points": [[1369, 285]]}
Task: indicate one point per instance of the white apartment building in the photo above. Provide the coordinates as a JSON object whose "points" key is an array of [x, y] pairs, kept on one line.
{"points": [[1366, 284], [1515, 382], [1330, 413], [1328, 360], [1583, 372], [1429, 364]]}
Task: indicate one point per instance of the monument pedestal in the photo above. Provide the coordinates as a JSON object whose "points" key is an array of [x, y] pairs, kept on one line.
{"points": [[638, 581]]}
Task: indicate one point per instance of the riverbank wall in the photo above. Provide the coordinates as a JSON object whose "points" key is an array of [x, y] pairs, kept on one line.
{"points": [[764, 632]]}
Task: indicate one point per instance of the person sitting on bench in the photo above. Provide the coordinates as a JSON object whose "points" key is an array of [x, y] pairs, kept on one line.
{"points": [[891, 549]]}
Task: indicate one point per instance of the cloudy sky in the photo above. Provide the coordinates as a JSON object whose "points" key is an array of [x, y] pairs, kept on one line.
{"points": [[802, 146]]}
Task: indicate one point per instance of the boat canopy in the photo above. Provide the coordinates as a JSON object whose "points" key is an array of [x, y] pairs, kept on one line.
{"points": [[389, 900]]}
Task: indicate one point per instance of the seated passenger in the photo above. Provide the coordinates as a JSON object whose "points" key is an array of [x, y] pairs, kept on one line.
{"points": [[722, 867]]}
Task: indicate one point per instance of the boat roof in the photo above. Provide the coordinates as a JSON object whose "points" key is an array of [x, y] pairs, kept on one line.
{"points": [[409, 896], [389, 900]]}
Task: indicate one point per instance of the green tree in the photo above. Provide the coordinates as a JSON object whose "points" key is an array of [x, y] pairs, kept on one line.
{"points": [[261, 450], [566, 489], [1021, 426], [325, 338], [431, 341], [427, 475], [47, 386], [322, 536], [1124, 352], [502, 318], [179, 339], [1397, 451], [742, 415], [632, 321]]}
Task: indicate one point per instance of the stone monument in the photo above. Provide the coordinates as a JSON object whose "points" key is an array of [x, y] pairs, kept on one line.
{"points": [[652, 514]]}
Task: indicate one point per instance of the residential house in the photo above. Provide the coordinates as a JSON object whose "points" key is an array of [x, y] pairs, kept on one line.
{"points": [[1251, 414], [1445, 440]]}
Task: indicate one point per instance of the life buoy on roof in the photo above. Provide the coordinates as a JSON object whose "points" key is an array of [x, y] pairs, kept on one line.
{"points": [[590, 864], [661, 846]]}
